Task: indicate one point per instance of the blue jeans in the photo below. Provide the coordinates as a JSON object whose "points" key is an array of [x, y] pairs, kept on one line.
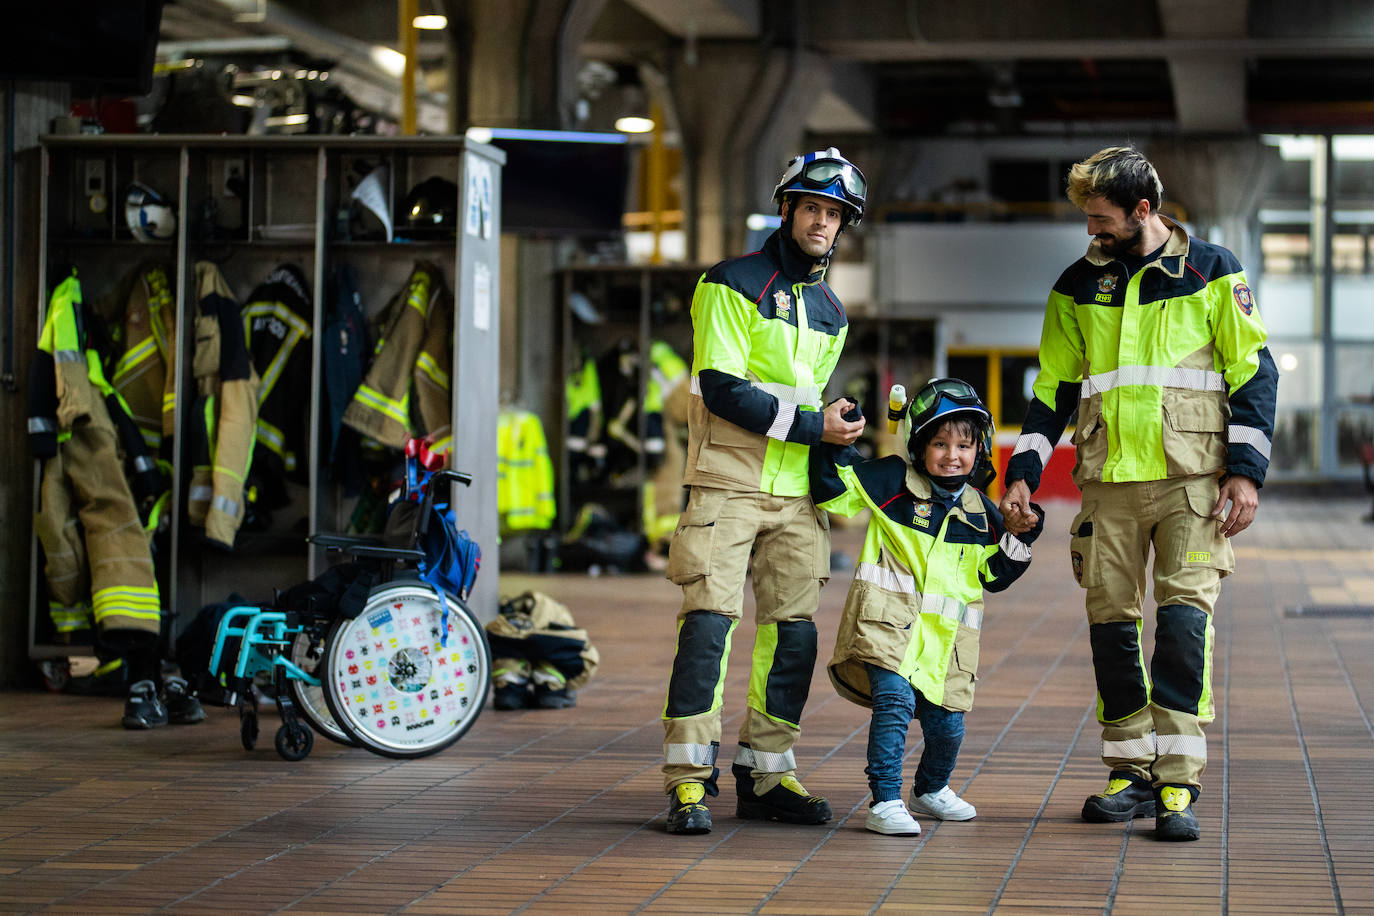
{"points": [[895, 704]]}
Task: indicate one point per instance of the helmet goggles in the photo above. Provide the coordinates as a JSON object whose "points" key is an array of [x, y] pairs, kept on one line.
{"points": [[943, 397], [819, 174]]}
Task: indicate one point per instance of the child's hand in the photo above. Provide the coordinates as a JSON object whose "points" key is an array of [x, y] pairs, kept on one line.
{"points": [[1016, 508]]}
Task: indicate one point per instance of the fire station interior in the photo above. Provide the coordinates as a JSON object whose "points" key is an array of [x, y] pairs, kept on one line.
{"points": [[562, 172]]}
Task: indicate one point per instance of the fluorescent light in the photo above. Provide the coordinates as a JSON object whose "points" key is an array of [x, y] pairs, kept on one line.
{"points": [[389, 59], [430, 22], [487, 134], [244, 101], [756, 222], [634, 125], [1288, 362], [287, 120]]}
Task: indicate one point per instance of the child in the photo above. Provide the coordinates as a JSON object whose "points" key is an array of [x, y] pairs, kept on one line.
{"points": [[908, 642]]}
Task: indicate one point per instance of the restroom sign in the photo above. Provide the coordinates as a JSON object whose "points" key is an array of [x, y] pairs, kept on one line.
{"points": [[477, 221]]}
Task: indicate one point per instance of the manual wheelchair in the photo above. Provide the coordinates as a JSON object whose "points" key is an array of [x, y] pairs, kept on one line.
{"points": [[392, 659]]}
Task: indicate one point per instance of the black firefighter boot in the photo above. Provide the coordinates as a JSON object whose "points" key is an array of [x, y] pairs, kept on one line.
{"points": [[1128, 796], [788, 801]]}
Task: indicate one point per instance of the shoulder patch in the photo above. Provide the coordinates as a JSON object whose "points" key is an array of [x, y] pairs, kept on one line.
{"points": [[1245, 300]]}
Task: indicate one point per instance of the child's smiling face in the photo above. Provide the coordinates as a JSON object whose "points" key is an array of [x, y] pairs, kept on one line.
{"points": [[951, 451]]}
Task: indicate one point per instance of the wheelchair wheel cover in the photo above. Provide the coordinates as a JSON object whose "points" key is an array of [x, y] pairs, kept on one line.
{"points": [[309, 698], [393, 686]]}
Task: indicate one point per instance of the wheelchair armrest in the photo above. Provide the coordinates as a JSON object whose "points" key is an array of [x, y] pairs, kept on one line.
{"points": [[343, 541], [379, 552]]}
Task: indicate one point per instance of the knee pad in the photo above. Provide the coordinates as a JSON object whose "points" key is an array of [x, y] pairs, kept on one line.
{"points": [[1119, 668], [703, 642], [1180, 659], [784, 660]]}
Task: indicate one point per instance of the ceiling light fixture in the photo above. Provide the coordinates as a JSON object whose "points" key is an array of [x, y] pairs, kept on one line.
{"points": [[430, 22], [634, 124]]}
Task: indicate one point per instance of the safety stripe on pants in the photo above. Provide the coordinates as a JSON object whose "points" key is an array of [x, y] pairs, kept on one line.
{"points": [[1182, 745], [1130, 749], [697, 755], [766, 761]]}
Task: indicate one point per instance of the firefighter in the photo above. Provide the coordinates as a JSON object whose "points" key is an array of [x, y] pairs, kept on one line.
{"points": [[767, 333], [1155, 338]]}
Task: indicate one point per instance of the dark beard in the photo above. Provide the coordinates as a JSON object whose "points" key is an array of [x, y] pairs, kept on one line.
{"points": [[1115, 248]]}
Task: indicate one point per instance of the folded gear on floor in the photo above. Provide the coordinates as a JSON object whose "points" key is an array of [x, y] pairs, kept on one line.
{"points": [[540, 657]]}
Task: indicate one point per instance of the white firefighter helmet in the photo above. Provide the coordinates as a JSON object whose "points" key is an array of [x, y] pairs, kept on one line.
{"points": [[149, 216]]}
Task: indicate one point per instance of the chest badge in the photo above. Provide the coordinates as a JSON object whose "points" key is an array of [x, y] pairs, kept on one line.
{"points": [[1106, 285], [782, 304], [922, 516]]}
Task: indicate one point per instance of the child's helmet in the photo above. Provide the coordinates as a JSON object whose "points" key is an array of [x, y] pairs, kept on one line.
{"points": [[942, 399], [149, 216]]}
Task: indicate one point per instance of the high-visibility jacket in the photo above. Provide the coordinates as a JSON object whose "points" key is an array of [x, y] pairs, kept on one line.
{"points": [[380, 408], [106, 559], [767, 333], [277, 319], [667, 370], [432, 408], [142, 366], [916, 604], [223, 420], [524, 473], [1167, 367], [582, 395]]}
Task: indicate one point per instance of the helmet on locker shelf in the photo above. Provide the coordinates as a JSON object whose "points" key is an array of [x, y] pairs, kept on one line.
{"points": [[149, 216], [430, 209]]}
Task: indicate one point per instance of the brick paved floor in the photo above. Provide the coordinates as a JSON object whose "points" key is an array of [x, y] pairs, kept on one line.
{"points": [[561, 811]]}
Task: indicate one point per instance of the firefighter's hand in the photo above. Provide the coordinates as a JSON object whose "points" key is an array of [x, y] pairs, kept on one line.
{"points": [[1243, 495], [1016, 508], [838, 430]]}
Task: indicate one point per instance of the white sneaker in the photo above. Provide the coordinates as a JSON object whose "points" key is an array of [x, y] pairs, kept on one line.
{"points": [[891, 817], [944, 805]]}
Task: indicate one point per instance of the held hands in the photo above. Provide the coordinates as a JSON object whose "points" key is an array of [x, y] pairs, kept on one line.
{"points": [[1243, 495], [838, 430], [1016, 508]]}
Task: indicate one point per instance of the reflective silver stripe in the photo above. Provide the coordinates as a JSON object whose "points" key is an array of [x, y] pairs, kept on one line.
{"points": [[1156, 376], [696, 755], [229, 507], [653, 446], [577, 443], [782, 423], [766, 761], [69, 356], [1035, 442], [1249, 435], [200, 493], [42, 425], [1014, 548], [597, 450], [144, 463], [808, 395], [1131, 749], [1183, 745], [942, 605], [889, 579]]}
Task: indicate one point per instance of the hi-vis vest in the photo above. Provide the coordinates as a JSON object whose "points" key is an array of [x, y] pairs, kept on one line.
{"points": [[1168, 369], [524, 474], [767, 333], [916, 604]]}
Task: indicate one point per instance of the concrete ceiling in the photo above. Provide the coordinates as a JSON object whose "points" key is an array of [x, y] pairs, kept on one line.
{"points": [[930, 67]]}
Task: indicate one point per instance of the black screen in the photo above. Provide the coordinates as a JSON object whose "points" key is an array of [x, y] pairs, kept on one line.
{"points": [[101, 47], [563, 188]]}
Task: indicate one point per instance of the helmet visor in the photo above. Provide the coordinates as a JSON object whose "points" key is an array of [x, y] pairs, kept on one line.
{"points": [[821, 173], [959, 392]]}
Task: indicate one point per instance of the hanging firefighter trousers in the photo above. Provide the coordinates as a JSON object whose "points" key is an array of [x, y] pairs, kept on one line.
{"points": [[1152, 724], [709, 558], [85, 480]]}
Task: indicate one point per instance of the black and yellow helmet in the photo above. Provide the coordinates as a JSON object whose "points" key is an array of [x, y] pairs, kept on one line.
{"points": [[943, 399]]}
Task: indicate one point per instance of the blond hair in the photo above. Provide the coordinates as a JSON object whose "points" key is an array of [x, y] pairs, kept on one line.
{"points": [[1121, 174]]}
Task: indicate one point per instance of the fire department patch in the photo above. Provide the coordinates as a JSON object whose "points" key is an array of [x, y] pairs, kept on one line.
{"points": [[922, 516], [1106, 283], [782, 304], [1245, 301], [1077, 566]]}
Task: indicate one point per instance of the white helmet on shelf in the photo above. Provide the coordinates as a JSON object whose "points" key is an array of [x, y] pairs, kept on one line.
{"points": [[149, 216]]}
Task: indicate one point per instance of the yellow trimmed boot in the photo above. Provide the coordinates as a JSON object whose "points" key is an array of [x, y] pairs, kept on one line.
{"points": [[1175, 820], [1128, 796], [686, 812]]}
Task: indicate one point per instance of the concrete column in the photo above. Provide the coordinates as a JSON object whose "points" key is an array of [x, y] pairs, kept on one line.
{"points": [[742, 110]]}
